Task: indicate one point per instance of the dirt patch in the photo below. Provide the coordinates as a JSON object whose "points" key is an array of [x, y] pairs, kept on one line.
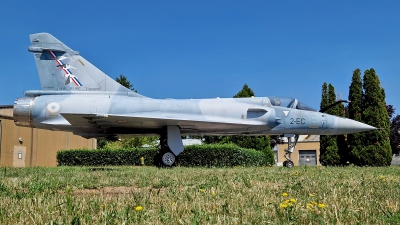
{"points": [[114, 192]]}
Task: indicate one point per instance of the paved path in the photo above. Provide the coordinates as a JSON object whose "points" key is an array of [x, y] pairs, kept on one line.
{"points": [[396, 161]]}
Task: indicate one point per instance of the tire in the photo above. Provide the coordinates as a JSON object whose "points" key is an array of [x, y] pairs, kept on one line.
{"points": [[289, 164], [168, 158]]}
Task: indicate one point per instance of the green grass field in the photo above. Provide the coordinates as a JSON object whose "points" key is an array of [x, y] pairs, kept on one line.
{"points": [[148, 195]]}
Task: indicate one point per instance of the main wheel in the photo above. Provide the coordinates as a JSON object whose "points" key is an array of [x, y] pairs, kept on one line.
{"points": [[289, 164], [168, 158]]}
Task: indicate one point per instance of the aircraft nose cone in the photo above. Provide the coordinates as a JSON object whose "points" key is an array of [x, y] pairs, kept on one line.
{"points": [[348, 126]]}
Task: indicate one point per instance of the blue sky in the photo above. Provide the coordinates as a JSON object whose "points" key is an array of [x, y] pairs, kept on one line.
{"points": [[208, 49]]}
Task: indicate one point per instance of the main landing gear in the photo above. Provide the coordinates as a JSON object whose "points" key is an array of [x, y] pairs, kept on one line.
{"points": [[288, 151], [167, 157], [170, 145]]}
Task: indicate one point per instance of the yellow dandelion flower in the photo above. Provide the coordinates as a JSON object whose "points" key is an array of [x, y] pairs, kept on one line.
{"points": [[382, 177], [312, 195], [293, 200], [213, 193], [139, 208], [284, 194], [101, 206], [310, 206], [173, 203], [283, 206], [286, 201], [201, 190], [322, 206]]}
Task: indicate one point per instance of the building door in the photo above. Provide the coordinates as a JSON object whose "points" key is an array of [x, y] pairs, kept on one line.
{"points": [[19, 156], [308, 157]]}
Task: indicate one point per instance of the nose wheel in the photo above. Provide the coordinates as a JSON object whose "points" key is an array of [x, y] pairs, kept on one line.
{"points": [[288, 163], [288, 152]]}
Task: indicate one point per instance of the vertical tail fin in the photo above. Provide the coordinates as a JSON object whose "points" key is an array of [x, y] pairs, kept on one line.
{"points": [[62, 69]]}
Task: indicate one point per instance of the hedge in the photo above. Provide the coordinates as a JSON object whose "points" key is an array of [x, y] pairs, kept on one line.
{"points": [[213, 155], [221, 155], [103, 157]]}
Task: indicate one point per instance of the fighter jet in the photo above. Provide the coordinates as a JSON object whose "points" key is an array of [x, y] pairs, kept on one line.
{"points": [[96, 106]]}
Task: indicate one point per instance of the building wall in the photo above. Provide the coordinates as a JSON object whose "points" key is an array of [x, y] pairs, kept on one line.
{"points": [[307, 145], [38, 147]]}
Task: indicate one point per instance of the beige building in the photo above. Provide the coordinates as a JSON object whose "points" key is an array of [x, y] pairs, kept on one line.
{"points": [[306, 153], [27, 147]]}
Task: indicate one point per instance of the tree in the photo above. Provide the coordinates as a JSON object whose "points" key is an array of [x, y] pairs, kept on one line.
{"points": [[123, 80], [341, 139], [324, 96], [394, 129], [390, 110], [376, 150], [394, 135], [329, 155], [355, 141], [245, 92]]}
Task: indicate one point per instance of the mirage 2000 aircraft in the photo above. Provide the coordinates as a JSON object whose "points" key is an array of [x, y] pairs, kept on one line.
{"points": [[78, 97]]}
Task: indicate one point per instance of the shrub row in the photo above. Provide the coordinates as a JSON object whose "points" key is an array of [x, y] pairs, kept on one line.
{"points": [[215, 155], [103, 157], [221, 155]]}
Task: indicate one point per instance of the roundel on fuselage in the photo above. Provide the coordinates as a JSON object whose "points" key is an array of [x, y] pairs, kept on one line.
{"points": [[53, 107]]}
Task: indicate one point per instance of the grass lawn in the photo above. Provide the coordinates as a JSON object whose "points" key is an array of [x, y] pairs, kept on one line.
{"points": [[149, 195]]}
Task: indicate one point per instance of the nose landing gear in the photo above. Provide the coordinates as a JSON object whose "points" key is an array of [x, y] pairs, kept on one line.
{"points": [[288, 151]]}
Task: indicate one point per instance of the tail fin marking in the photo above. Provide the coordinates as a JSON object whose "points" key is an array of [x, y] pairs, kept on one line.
{"points": [[65, 68]]}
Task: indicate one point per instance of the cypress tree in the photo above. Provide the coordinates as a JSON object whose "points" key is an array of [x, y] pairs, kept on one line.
{"points": [[323, 139], [355, 141], [329, 155], [376, 150], [324, 96], [341, 139]]}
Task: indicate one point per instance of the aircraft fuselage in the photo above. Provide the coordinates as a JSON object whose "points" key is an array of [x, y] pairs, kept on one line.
{"points": [[101, 114]]}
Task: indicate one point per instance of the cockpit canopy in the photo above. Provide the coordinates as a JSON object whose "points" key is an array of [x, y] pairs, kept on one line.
{"points": [[289, 103]]}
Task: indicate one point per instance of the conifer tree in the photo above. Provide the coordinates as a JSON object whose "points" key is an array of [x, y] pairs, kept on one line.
{"points": [[324, 96], [328, 144], [355, 141], [245, 92], [376, 150], [341, 139]]}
